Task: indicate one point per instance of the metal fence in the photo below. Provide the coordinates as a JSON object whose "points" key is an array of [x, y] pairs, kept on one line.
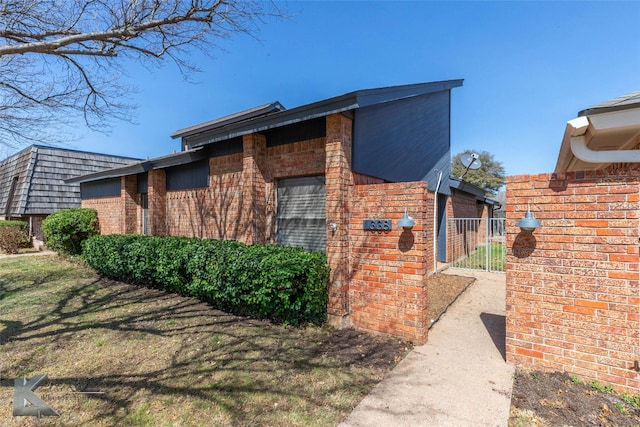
{"points": [[477, 244]]}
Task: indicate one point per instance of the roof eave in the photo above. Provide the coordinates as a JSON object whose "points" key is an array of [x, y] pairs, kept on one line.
{"points": [[242, 116], [467, 187], [579, 140], [283, 118], [170, 160], [337, 104]]}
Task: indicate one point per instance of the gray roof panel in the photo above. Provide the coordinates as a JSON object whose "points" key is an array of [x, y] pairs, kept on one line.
{"points": [[170, 160], [624, 102], [338, 104], [232, 118]]}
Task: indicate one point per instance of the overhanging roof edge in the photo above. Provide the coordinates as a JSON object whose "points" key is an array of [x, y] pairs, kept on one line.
{"points": [[236, 131], [336, 104], [262, 110], [143, 166], [624, 102], [467, 187]]}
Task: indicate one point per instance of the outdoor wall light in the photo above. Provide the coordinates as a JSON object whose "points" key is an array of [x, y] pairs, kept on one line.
{"points": [[529, 222], [406, 221], [333, 226]]}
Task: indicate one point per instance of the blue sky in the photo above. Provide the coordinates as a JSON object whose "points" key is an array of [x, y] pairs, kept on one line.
{"points": [[528, 67]]}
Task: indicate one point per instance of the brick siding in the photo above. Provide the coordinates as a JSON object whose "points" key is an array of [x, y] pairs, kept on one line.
{"points": [[339, 188], [573, 294], [109, 213], [388, 283], [377, 280]]}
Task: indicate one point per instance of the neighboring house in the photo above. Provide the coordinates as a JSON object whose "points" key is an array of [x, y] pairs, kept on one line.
{"points": [[32, 182], [308, 176], [470, 206], [573, 285]]}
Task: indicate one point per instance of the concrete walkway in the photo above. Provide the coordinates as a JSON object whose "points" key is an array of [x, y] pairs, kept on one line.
{"points": [[459, 378], [3, 255]]}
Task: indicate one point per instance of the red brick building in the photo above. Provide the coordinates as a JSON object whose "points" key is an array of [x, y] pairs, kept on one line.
{"points": [[332, 176], [573, 293]]}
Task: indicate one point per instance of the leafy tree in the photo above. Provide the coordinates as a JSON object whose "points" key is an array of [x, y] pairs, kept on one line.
{"points": [[63, 59], [490, 176]]}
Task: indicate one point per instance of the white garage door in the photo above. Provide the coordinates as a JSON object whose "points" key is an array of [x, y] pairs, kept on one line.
{"points": [[301, 213]]}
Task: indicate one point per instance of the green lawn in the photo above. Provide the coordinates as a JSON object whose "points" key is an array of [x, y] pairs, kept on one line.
{"points": [[117, 354], [477, 260]]}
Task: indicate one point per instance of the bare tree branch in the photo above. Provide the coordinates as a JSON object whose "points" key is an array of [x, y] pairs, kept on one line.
{"points": [[64, 58]]}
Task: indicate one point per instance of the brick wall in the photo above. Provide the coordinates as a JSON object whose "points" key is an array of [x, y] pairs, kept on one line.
{"points": [[226, 210], [573, 293], [109, 211], [339, 188], [130, 204], [212, 212], [252, 216], [157, 193], [377, 281], [388, 283]]}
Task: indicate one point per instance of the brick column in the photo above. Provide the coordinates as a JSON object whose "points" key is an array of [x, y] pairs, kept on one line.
{"points": [[339, 186], [572, 285], [129, 206], [157, 193], [388, 278], [253, 212]]}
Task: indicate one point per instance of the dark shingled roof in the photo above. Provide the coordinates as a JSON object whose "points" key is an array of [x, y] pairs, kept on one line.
{"points": [[37, 175], [624, 102]]}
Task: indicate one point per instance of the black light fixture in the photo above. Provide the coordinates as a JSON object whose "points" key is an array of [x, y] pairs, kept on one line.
{"points": [[529, 222]]}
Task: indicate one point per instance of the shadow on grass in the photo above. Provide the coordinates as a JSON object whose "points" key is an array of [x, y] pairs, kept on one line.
{"points": [[242, 367]]}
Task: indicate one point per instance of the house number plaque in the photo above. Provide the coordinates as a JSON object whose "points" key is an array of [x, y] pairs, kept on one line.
{"points": [[376, 224]]}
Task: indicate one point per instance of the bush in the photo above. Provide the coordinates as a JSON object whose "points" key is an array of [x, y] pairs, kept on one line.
{"points": [[267, 281], [13, 236], [65, 230]]}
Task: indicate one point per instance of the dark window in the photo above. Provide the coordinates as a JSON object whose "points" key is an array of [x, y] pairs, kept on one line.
{"points": [[191, 175], [103, 188]]}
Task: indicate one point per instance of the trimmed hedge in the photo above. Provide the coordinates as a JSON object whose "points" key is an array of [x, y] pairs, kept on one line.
{"points": [[65, 230], [280, 283], [13, 236]]}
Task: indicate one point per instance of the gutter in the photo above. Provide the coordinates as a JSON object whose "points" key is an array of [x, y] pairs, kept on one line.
{"points": [[435, 224], [577, 129]]}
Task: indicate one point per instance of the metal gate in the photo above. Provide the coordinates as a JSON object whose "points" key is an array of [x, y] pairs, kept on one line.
{"points": [[477, 244]]}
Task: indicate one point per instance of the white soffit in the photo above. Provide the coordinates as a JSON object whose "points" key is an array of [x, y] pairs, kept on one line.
{"points": [[616, 119]]}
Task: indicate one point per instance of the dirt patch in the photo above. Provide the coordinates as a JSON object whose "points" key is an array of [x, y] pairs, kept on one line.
{"points": [[351, 347], [556, 399], [442, 291]]}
